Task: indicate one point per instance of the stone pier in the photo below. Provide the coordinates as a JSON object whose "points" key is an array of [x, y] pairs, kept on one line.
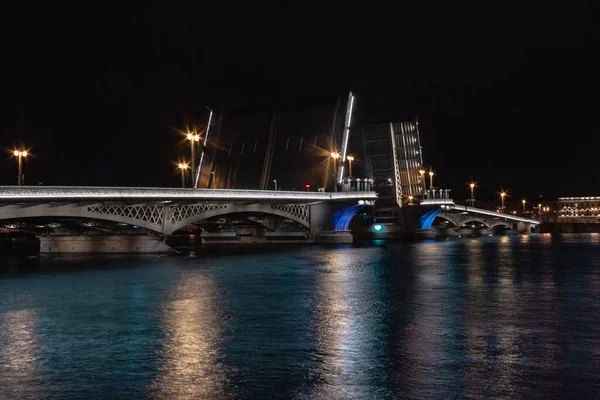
{"points": [[104, 244]]}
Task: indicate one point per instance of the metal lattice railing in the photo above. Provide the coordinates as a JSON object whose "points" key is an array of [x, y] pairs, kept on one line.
{"points": [[183, 212], [152, 214], [300, 211]]}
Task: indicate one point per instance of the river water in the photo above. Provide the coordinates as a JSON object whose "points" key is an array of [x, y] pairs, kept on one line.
{"points": [[495, 317]]}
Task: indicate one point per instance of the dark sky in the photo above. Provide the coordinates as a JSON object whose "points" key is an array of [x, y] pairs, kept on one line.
{"points": [[505, 94]]}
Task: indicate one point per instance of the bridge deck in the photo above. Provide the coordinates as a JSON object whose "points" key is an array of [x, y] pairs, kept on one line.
{"points": [[488, 213], [19, 194]]}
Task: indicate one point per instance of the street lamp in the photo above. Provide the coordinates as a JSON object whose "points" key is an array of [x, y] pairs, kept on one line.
{"points": [[20, 155], [410, 197], [524, 201], [430, 180], [422, 172], [335, 157], [275, 182], [472, 185], [502, 194], [350, 159], [193, 137], [183, 167]]}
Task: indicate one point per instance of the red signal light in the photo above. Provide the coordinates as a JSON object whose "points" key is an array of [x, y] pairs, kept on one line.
{"points": [[307, 187]]}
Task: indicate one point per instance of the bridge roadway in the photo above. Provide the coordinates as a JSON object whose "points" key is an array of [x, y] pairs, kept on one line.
{"points": [[493, 214], [40, 194], [166, 210], [459, 215]]}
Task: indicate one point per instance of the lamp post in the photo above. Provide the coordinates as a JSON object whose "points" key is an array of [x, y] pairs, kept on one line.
{"points": [[335, 157], [193, 137], [422, 172], [350, 159], [410, 197], [524, 201], [183, 167], [472, 185], [430, 180], [275, 182], [20, 154], [502, 194]]}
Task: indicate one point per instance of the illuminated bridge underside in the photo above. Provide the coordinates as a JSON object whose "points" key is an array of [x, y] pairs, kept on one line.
{"points": [[461, 215], [163, 210], [340, 220]]}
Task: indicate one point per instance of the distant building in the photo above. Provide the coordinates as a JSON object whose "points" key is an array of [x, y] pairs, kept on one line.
{"points": [[579, 209]]}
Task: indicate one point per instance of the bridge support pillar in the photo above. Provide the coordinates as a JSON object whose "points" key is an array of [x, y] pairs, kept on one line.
{"points": [[321, 227], [104, 244], [409, 216], [319, 216], [523, 227]]}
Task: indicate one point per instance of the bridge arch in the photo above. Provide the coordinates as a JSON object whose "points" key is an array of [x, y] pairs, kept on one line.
{"points": [[186, 215], [162, 218], [446, 217], [150, 219], [341, 219], [501, 223], [426, 220], [479, 220]]}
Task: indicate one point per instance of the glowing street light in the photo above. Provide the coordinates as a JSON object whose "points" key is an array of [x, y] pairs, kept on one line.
{"points": [[410, 198], [193, 137], [20, 154], [472, 186], [183, 167], [335, 157], [502, 194], [350, 159], [430, 180], [524, 201], [422, 172]]}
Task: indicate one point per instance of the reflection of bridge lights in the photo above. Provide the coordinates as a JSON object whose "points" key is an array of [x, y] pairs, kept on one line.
{"points": [[377, 227]]}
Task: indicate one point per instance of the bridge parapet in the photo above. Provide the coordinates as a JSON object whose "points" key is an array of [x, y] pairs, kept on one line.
{"points": [[433, 194], [73, 194]]}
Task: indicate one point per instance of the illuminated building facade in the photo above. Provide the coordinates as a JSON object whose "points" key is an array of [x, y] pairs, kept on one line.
{"points": [[579, 209]]}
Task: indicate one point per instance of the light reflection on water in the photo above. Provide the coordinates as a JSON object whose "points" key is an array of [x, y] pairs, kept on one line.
{"points": [[189, 365], [349, 320], [20, 361], [495, 317]]}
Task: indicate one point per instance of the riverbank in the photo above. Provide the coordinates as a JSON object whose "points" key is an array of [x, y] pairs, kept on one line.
{"points": [[569, 227]]}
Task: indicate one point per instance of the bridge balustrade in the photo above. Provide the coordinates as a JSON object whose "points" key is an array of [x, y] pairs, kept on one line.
{"points": [[356, 184], [436, 194]]}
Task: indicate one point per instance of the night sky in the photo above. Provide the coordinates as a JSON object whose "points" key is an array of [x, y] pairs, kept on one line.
{"points": [[505, 94]]}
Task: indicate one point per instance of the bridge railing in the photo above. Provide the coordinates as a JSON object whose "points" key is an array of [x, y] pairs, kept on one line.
{"points": [[86, 193]]}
